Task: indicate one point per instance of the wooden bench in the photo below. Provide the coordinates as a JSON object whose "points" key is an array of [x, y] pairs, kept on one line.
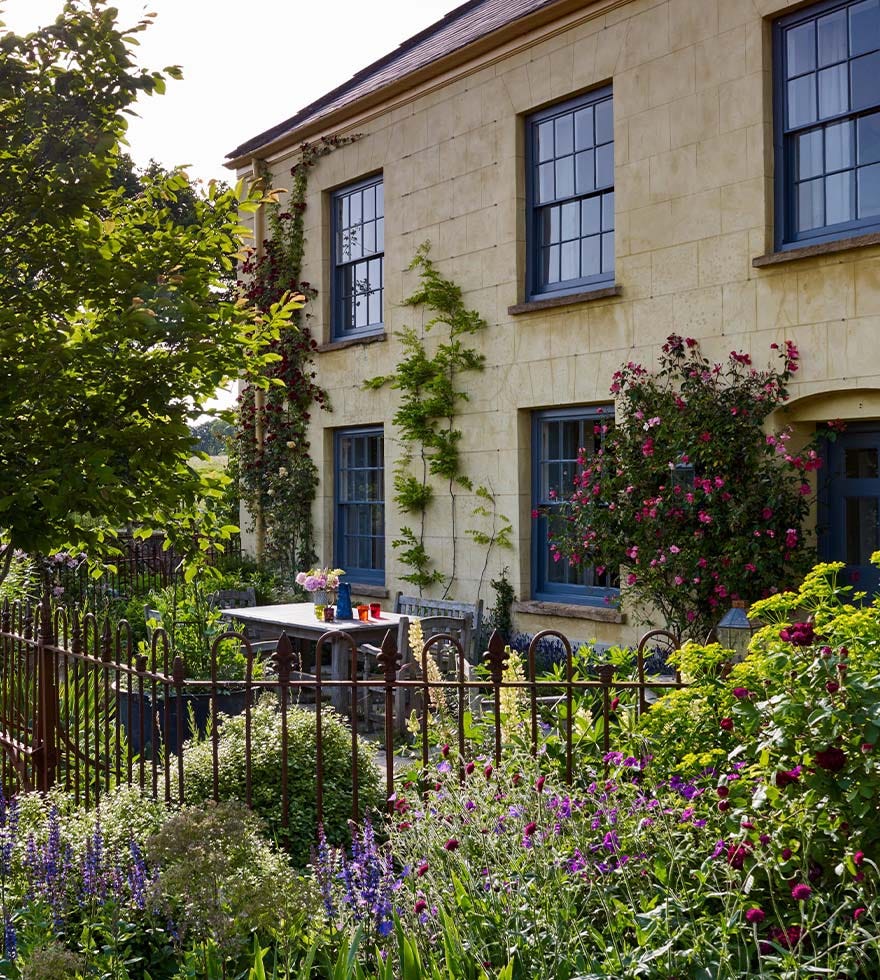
{"points": [[421, 607]]}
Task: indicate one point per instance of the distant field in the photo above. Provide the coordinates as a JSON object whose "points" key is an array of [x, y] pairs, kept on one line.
{"points": [[211, 463]]}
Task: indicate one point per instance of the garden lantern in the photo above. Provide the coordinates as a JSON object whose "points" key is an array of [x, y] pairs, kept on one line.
{"points": [[735, 631]]}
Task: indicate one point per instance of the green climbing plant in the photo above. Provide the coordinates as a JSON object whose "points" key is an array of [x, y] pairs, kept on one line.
{"points": [[426, 419], [276, 475]]}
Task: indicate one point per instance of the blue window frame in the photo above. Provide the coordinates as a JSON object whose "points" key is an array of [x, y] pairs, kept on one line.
{"points": [[849, 499], [570, 196], [827, 122], [358, 234], [359, 540], [558, 435]]}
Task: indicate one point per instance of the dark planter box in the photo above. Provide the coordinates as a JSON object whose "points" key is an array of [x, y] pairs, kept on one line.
{"points": [[129, 709]]}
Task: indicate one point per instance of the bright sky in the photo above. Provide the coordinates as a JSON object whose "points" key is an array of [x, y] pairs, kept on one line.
{"points": [[247, 64]]}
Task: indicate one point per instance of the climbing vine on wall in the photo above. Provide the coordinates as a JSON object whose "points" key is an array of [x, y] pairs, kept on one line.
{"points": [[426, 421], [276, 474]]}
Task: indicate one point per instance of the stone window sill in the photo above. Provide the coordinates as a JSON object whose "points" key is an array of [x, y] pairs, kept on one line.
{"points": [[822, 248], [372, 338], [571, 299], [596, 614], [372, 591]]}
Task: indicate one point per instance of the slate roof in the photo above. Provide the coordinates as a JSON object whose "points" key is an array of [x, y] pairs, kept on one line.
{"points": [[460, 27]]}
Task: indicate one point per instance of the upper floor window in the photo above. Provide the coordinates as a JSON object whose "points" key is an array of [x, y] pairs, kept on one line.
{"points": [[558, 437], [359, 532], [570, 195], [827, 66], [358, 258]]}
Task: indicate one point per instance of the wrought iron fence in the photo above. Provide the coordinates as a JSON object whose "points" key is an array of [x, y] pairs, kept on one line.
{"points": [[84, 707], [143, 565]]}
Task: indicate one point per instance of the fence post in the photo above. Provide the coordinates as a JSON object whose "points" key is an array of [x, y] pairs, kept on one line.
{"points": [[284, 658], [389, 661], [46, 722], [496, 658]]}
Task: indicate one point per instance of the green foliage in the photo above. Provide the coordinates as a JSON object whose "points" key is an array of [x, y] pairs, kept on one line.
{"points": [[688, 495], [212, 436], [220, 879], [425, 419], [115, 322], [500, 617], [266, 758], [276, 475]]}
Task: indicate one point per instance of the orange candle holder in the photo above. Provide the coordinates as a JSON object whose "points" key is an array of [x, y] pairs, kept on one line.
{"points": [[364, 614]]}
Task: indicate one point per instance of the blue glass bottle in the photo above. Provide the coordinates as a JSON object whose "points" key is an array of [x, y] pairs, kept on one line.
{"points": [[343, 602]]}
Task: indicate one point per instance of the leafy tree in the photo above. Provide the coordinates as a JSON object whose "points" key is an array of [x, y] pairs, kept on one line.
{"points": [[116, 321], [212, 436], [688, 495]]}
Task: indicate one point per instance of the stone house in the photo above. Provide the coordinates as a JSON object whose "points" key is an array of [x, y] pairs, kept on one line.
{"points": [[595, 175]]}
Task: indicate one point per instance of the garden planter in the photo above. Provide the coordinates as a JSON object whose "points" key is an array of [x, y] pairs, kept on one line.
{"points": [[194, 705]]}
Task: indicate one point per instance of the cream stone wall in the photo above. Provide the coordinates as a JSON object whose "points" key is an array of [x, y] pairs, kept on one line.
{"points": [[693, 174]]}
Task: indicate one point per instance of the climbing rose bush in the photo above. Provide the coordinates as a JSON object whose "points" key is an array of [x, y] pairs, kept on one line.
{"points": [[688, 495]]}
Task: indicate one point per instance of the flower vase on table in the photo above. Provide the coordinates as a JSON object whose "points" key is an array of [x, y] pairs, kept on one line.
{"points": [[320, 583]]}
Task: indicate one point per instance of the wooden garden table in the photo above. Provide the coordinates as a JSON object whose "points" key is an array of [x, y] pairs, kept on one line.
{"points": [[297, 619]]}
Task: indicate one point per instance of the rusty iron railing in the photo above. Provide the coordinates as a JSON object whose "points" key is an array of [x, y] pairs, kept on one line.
{"points": [[81, 706]]}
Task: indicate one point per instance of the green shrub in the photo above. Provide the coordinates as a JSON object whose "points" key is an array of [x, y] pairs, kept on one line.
{"points": [[222, 881], [300, 833]]}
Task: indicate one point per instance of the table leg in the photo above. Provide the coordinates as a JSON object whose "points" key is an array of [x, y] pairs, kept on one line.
{"points": [[340, 660]]}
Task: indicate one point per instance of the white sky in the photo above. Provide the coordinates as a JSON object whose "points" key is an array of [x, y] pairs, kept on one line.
{"points": [[247, 64]]}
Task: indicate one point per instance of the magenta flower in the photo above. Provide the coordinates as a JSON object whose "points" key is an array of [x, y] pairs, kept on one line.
{"points": [[785, 777], [451, 844], [831, 759], [755, 915], [801, 892], [858, 912], [539, 784], [741, 693], [726, 724], [469, 768], [529, 829], [858, 857]]}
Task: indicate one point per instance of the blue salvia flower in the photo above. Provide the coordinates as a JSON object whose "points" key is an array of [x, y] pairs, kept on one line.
{"points": [[8, 831], [325, 869], [94, 884], [369, 881], [137, 876], [10, 940]]}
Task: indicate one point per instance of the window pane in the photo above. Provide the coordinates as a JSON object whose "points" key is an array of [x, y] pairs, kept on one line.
{"points": [[354, 204], [374, 306], [802, 101], [811, 205], [590, 216], [545, 141], [583, 128], [861, 464], [800, 44], [380, 235], [861, 529], [605, 165], [839, 198], [551, 442], [833, 91], [869, 138], [380, 200], [571, 227], [809, 154], [369, 233], [565, 177], [551, 264], [604, 122], [608, 252], [864, 27], [564, 135], [591, 257], [570, 263], [832, 38], [608, 211], [586, 176], [369, 203], [869, 191], [865, 90], [549, 225], [545, 182], [838, 146]]}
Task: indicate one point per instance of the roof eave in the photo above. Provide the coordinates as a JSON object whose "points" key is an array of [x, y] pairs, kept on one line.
{"points": [[336, 119]]}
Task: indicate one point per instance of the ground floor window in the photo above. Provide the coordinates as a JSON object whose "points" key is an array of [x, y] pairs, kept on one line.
{"points": [[359, 538], [558, 435]]}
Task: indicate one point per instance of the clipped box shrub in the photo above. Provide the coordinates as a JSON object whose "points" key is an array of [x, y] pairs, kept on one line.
{"points": [[300, 833]]}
